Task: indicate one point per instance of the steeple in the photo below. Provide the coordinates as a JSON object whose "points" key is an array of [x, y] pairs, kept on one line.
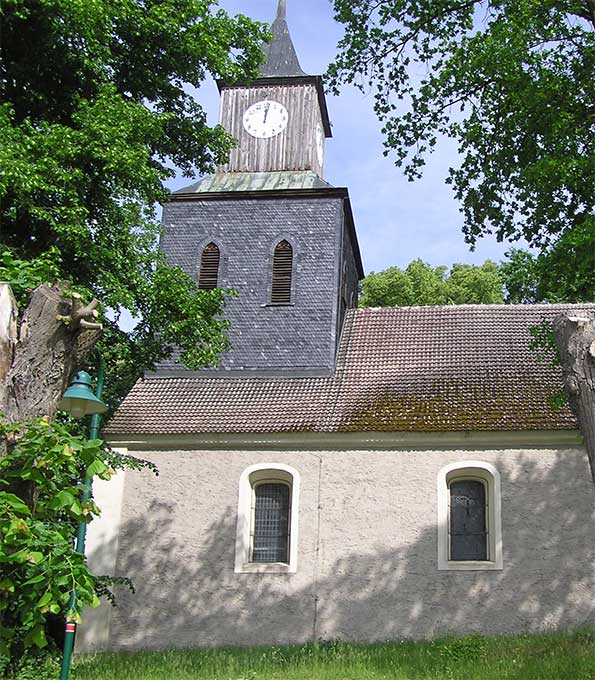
{"points": [[268, 225], [280, 118], [280, 56]]}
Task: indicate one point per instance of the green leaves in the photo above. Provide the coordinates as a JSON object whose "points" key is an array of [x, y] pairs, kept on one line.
{"points": [[521, 276], [564, 273], [97, 467], [512, 83], [421, 284], [54, 460], [96, 110], [181, 310], [25, 275], [15, 503], [36, 636], [38, 563]]}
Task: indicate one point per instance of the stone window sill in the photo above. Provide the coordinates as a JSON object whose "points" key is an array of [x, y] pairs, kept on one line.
{"points": [[470, 565], [265, 568]]}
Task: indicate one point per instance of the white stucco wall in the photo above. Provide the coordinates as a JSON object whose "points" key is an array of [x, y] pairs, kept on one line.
{"points": [[102, 551], [367, 550]]}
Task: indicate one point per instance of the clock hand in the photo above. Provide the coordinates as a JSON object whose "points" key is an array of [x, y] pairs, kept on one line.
{"points": [[266, 112]]}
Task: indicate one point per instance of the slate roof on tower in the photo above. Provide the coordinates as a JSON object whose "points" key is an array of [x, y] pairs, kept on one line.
{"points": [[280, 56], [401, 369]]}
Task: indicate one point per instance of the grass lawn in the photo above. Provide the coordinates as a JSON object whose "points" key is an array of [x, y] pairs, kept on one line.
{"points": [[561, 656]]}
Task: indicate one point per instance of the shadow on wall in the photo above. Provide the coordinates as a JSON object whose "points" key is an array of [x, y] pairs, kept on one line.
{"points": [[191, 597]]}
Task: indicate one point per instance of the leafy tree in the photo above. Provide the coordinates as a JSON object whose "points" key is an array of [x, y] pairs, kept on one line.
{"points": [[555, 276], [521, 277], [96, 107], [38, 565], [472, 284], [512, 82], [422, 284]]}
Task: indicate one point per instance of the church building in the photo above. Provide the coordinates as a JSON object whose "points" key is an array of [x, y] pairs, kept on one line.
{"points": [[344, 473]]}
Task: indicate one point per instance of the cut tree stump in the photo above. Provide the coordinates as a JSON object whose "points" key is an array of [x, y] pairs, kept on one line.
{"points": [[39, 355], [575, 338]]}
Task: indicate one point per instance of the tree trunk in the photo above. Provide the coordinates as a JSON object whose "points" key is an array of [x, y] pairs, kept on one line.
{"points": [[54, 337], [575, 338]]}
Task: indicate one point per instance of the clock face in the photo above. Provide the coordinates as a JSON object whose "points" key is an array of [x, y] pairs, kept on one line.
{"points": [[265, 119]]}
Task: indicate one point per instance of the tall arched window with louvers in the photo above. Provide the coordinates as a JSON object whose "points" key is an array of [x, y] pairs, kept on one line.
{"points": [[209, 267], [282, 271]]}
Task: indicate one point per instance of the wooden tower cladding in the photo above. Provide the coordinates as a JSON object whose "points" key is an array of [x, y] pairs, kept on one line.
{"points": [[300, 146]]}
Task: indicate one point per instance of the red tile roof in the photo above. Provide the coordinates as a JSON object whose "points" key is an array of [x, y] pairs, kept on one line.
{"points": [[399, 369]]}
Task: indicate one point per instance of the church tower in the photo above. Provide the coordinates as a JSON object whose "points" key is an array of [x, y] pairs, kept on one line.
{"points": [[281, 120], [267, 225]]}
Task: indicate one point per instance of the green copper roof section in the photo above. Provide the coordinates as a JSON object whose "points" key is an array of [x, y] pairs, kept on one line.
{"points": [[256, 181]]}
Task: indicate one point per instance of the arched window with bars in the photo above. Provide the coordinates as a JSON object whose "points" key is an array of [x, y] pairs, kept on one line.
{"points": [[467, 526], [267, 519], [208, 276], [469, 516], [282, 273], [270, 526]]}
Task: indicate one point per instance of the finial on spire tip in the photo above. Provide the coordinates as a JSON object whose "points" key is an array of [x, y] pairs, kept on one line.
{"points": [[281, 9]]}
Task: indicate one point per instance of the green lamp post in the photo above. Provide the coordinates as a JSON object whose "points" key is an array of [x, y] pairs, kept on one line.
{"points": [[80, 400]]}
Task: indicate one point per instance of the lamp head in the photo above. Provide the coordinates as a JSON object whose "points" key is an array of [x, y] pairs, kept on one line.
{"points": [[79, 399]]}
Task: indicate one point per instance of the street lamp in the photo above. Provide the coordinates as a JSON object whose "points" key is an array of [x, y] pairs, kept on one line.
{"points": [[80, 400]]}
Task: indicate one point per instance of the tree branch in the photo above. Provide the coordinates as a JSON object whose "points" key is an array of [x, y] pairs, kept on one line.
{"points": [[414, 31], [79, 314]]}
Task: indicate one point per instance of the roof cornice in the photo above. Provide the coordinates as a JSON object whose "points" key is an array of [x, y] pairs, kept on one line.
{"points": [[339, 441], [318, 192]]}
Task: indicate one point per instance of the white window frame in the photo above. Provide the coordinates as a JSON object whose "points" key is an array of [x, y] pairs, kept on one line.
{"points": [[253, 476], [486, 473]]}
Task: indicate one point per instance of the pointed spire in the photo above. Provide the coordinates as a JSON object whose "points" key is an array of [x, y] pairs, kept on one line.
{"points": [[280, 56]]}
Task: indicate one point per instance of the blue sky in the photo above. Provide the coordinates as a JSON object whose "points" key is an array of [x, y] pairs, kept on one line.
{"points": [[397, 221]]}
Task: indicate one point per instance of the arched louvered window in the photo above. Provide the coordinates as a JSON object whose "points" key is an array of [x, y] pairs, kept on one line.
{"points": [[467, 520], [209, 267], [270, 539], [282, 270]]}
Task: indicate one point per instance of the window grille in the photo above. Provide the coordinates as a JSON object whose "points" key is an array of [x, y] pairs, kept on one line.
{"points": [[282, 270], [209, 267], [271, 523], [467, 523]]}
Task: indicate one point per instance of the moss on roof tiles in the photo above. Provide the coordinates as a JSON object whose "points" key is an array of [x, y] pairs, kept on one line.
{"points": [[477, 373]]}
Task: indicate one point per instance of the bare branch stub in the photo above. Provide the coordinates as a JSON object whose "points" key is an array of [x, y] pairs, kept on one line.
{"points": [[81, 316], [91, 325]]}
